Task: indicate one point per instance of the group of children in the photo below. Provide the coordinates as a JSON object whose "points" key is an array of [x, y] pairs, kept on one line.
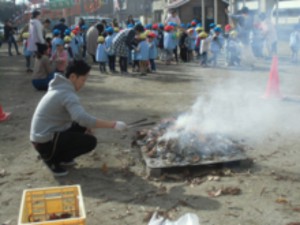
{"points": [[143, 51], [162, 41], [158, 41], [55, 54]]}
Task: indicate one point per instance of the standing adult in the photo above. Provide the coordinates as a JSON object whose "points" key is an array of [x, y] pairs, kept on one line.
{"points": [[9, 32], [35, 32], [122, 43], [61, 26], [91, 39], [173, 17]]}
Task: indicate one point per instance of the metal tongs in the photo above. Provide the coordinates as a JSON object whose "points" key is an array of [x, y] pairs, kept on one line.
{"points": [[139, 123]]}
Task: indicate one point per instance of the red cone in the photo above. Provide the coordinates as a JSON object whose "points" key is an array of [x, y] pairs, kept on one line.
{"points": [[272, 90], [3, 115]]}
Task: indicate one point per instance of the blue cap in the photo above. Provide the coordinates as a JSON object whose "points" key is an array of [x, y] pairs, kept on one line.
{"points": [[161, 26], [56, 32], [172, 24], [67, 32], [84, 27], [217, 29], [188, 25], [109, 30], [212, 25], [148, 26], [130, 25], [182, 25], [199, 25]]}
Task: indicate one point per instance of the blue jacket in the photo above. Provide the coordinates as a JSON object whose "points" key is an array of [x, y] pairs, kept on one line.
{"points": [[54, 43], [101, 54], [26, 52], [108, 43], [169, 42], [216, 44], [143, 51], [152, 50]]}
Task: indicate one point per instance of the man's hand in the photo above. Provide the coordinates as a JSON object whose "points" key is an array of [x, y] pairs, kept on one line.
{"points": [[120, 126]]}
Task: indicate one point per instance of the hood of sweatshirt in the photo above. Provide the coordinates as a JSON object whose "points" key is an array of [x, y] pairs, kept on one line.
{"points": [[60, 82]]}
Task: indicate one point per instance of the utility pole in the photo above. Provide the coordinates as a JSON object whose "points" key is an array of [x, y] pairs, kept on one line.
{"points": [[277, 15], [203, 13], [82, 11], [215, 11]]}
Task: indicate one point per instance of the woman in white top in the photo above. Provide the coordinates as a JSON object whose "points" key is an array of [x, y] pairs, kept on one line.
{"points": [[173, 17], [35, 32]]}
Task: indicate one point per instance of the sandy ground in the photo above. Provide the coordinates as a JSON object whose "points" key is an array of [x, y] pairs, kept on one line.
{"points": [[124, 194]]}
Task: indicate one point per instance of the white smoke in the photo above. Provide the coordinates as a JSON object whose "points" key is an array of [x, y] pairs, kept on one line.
{"points": [[240, 111]]}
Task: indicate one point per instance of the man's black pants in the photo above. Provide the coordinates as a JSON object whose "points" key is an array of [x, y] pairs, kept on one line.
{"points": [[66, 145]]}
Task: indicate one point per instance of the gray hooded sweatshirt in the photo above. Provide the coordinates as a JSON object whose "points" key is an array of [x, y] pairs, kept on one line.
{"points": [[56, 111]]}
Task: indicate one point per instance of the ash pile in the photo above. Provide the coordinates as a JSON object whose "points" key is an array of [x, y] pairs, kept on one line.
{"points": [[167, 145]]}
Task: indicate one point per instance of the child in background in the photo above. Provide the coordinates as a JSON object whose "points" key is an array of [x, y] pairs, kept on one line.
{"points": [[76, 43], [155, 31], [110, 51], [215, 45], [27, 53], [295, 43], [160, 40], [42, 73], [204, 47], [233, 48], [56, 39], [60, 57], [143, 54], [152, 50], [228, 28], [83, 32], [182, 47], [189, 44], [168, 44], [136, 63], [101, 54], [67, 47], [197, 46]]}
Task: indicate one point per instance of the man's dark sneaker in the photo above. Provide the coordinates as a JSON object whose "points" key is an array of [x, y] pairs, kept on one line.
{"points": [[68, 163], [58, 171]]}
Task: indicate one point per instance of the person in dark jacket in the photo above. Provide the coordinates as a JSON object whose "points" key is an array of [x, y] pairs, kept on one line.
{"points": [[61, 26], [183, 49], [9, 32]]}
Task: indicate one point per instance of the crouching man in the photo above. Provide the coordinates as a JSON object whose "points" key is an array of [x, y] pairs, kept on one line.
{"points": [[60, 127]]}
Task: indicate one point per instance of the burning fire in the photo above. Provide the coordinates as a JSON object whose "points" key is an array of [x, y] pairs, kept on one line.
{"points": [[175, 142]]}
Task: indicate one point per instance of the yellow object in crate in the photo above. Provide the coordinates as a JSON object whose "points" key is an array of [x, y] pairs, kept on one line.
{"points": [[52, 206]]}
